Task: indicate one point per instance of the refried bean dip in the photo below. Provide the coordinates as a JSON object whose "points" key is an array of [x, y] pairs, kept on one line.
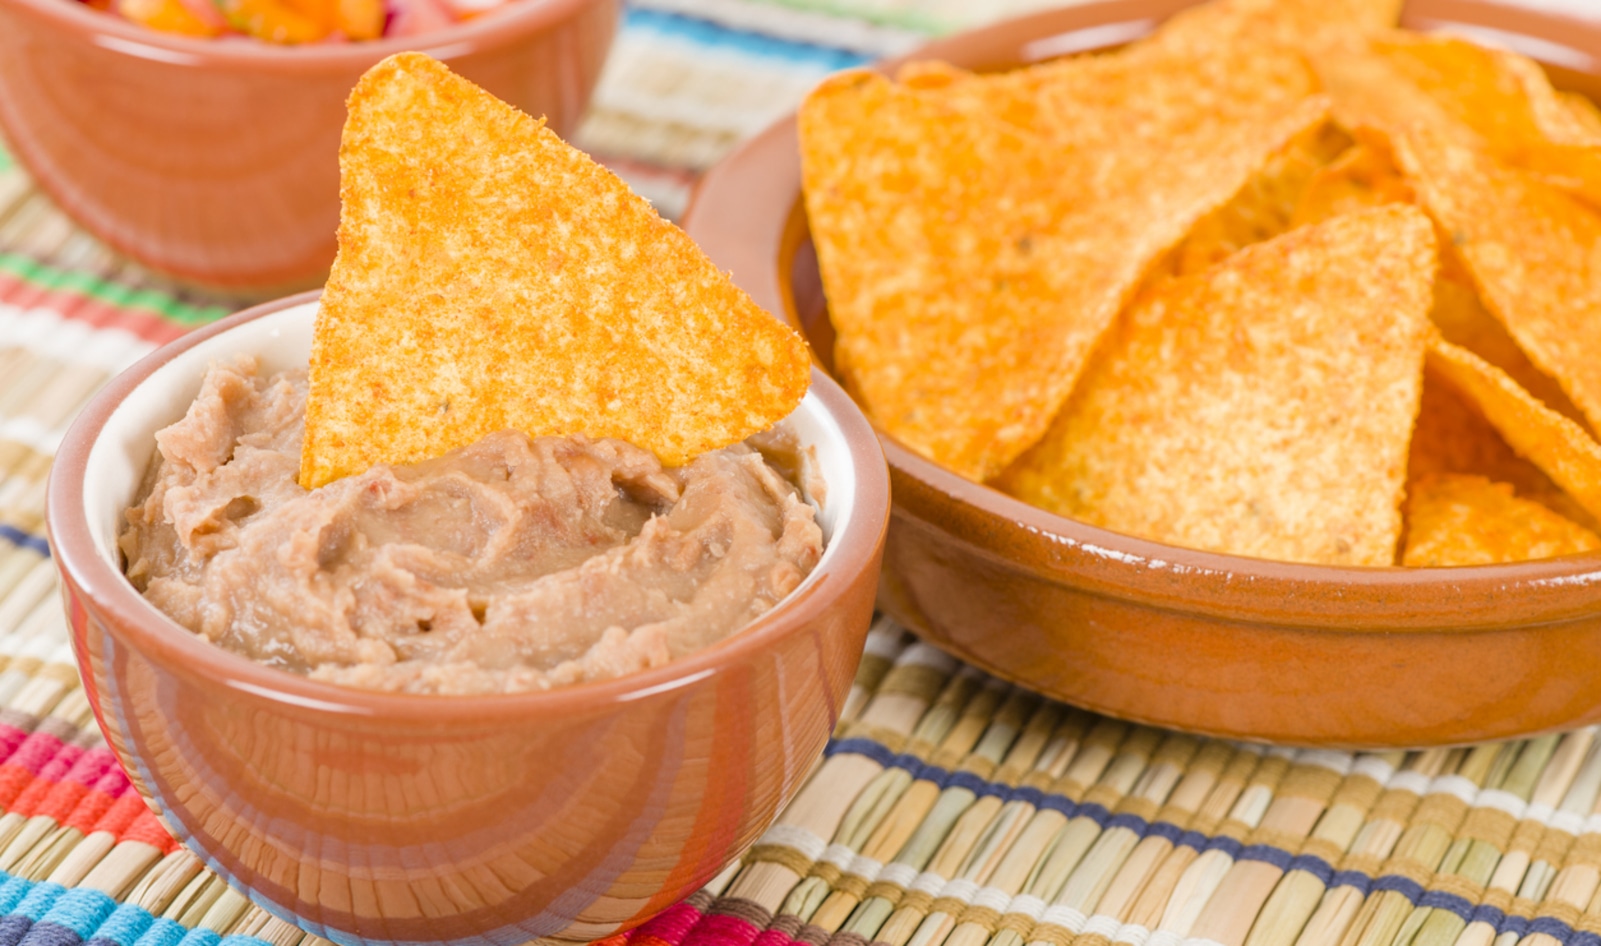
{"points": [[513, 564]]}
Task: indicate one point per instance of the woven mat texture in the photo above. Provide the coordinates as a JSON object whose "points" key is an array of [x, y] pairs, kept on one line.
{"points": [[950, 810]]}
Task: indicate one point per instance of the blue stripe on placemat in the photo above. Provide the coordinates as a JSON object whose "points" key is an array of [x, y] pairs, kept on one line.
{"points": [[161, 932], [1414, 892], [713, 35], [80, 912], [1440, 900], [1267, 854], [38, 900], [22, 539], [47, 914], [123, 928], [1316, 866]]}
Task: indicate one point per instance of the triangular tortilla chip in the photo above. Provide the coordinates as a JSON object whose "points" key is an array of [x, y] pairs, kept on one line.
{"points": [[1582, 112], [1362, 178], [1468, 520], [1534, 255], [490, 276], [968, 274], [1365, 176], [1453, 436], [1372, 99], [1506, 101], [951, 331], [1463, 320], [1119, 116], [1264, 208], [1495, 156], [1262, 407], [1145, 94], [1309, 23], [1555, 444]]}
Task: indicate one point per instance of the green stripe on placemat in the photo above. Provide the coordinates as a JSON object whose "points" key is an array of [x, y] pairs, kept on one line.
{"points": [[898, 17], [113, 294], [6, 162]]}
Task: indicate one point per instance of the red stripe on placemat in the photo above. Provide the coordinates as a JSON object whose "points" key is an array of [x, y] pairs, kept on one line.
{"points": [[42, 760], [86, 790], [11, 739], [91, 804], [148, 829], [667, 928], [80, 308], [120, 817], [32, 752], [25, 764], [74, 788], [772, 937], [57, 769], [720, 929]]}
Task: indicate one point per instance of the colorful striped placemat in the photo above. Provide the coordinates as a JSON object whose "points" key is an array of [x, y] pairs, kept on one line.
{"points": [[950, 810]]}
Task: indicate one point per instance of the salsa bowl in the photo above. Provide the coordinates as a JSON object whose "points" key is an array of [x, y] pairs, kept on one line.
{"points": [[217, 161]]}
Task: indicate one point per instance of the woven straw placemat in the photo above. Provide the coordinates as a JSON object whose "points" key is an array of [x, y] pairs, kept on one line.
{"points": [[950, 810]]}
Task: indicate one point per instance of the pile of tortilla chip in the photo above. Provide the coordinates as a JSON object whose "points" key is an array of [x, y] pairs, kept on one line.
{"points": [[490, 277], [1278, 280]]}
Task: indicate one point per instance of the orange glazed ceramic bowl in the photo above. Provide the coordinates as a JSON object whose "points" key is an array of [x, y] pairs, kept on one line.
{"points": [[217, 161], [1217, 644], [371, 817]]}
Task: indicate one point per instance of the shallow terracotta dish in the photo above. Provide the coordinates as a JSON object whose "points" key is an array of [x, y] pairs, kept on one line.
{"points": [[217, 162], [1216, 644], [373, 818]]}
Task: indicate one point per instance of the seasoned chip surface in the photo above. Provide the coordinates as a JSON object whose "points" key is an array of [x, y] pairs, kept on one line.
{"points": [[1310, 23], [930, 233], [1453, 436], [1264, 208], [1262, 407], [1533, 251], [1502, 103], [1361, 178], [1151, 92], [1365, 176], [490, 277], [1558, 446], [970, 269], [1469, 520]]}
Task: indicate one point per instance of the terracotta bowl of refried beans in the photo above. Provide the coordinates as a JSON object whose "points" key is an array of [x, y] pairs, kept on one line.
{"points": [[565, 803]]}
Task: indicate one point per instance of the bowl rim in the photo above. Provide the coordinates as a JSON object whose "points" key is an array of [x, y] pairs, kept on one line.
{"points": [[107, 30], [748, 213], [858, 537]]}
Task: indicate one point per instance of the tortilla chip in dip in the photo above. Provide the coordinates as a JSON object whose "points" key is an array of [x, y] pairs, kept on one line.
{"points": [[492, 277]]}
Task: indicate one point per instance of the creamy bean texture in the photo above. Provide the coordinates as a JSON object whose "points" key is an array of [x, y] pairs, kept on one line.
{"points": [[510, 565]]}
